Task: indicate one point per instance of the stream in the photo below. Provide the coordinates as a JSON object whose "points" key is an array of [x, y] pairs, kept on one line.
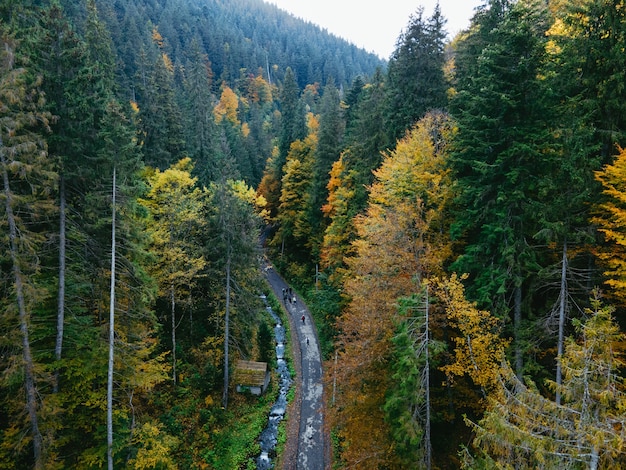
{"points": [[268, 437]]}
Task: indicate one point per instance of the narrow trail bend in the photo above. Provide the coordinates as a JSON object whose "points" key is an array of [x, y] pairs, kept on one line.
{"points": [[305, 451]]}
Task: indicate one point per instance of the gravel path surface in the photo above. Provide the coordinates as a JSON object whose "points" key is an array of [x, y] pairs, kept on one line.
{"points": [[305, 426]]}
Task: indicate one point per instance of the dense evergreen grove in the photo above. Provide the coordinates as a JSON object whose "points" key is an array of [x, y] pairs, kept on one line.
{"points": [[455, 219]]}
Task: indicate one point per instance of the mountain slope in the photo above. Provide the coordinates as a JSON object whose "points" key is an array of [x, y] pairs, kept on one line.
{"points": [[237, 36]]}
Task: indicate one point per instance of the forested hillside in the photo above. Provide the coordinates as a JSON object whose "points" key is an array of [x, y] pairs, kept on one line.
{"points": [[239, 37], [458, 223], [454, 219], [132, 136]]}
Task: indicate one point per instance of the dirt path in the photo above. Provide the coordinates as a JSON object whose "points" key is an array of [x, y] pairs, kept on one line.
{"points": [[305, 427]]}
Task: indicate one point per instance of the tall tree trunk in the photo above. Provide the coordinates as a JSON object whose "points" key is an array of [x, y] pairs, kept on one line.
{"points": [[29, 369], [111, 336], [517, 326], [173, 312], [226, 331], [562, 305], [58, 348]]}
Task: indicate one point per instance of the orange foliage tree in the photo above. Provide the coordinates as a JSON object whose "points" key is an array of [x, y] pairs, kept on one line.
{"points": [[400, 242], [340, 231]]}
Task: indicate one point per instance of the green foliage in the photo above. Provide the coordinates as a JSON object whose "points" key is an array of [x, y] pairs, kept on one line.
{"points": [[537, 96], [89, 55], [236, 441], [264, 341], [327, 151], [409, 396], [588, 38], [28, 181], [522, 428], [415, 77], [280, 40], [502, 158]]}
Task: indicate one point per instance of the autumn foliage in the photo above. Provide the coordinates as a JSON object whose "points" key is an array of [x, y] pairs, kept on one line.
{"points": [[399, 244]]}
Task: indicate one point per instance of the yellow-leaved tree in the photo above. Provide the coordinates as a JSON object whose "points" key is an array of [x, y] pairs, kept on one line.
{"points": [[524, 429], [401, 240], [227, 107], [479, 348], [175, 213], [340, 231], [611, 222], [294, 214]]}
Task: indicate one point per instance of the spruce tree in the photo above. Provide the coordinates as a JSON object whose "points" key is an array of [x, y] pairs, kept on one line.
{"points": [[292, 117], [232, 251], [526, 429], [329, 144], [590, 37], [61, 56], [28, 182], [292, 128], [501, 157], [201, 135], [415, 76], [159, 115]]}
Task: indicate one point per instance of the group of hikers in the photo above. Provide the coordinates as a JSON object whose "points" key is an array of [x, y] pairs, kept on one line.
{"points": [[289, 296]]}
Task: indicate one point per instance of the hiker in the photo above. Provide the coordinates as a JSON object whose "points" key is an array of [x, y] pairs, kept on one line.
{"points": [[302, 318]]}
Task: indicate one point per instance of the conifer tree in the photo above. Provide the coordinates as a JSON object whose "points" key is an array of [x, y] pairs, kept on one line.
{"points": [[160, 116], [408, 404], [201, 134], [330, 136], [571, 191], [136, 367], [522, 428], [352, 173], [365, 138], [589, 38], [415, 77], [28, 182], [352, 98], [292, 128], [295, 205], [502, 157], [339, 210], [292, 118], [258, 129], [93, 135], [61, 56], [232, 252]]}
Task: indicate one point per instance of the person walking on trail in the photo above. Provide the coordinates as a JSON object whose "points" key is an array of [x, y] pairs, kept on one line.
{"points": [[302, 318]]}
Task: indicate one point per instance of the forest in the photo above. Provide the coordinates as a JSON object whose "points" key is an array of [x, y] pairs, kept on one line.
{"points": [[453, 216]]}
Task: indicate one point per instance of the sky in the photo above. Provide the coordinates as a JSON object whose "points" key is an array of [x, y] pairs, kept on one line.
{"points": [[376, 24]]}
